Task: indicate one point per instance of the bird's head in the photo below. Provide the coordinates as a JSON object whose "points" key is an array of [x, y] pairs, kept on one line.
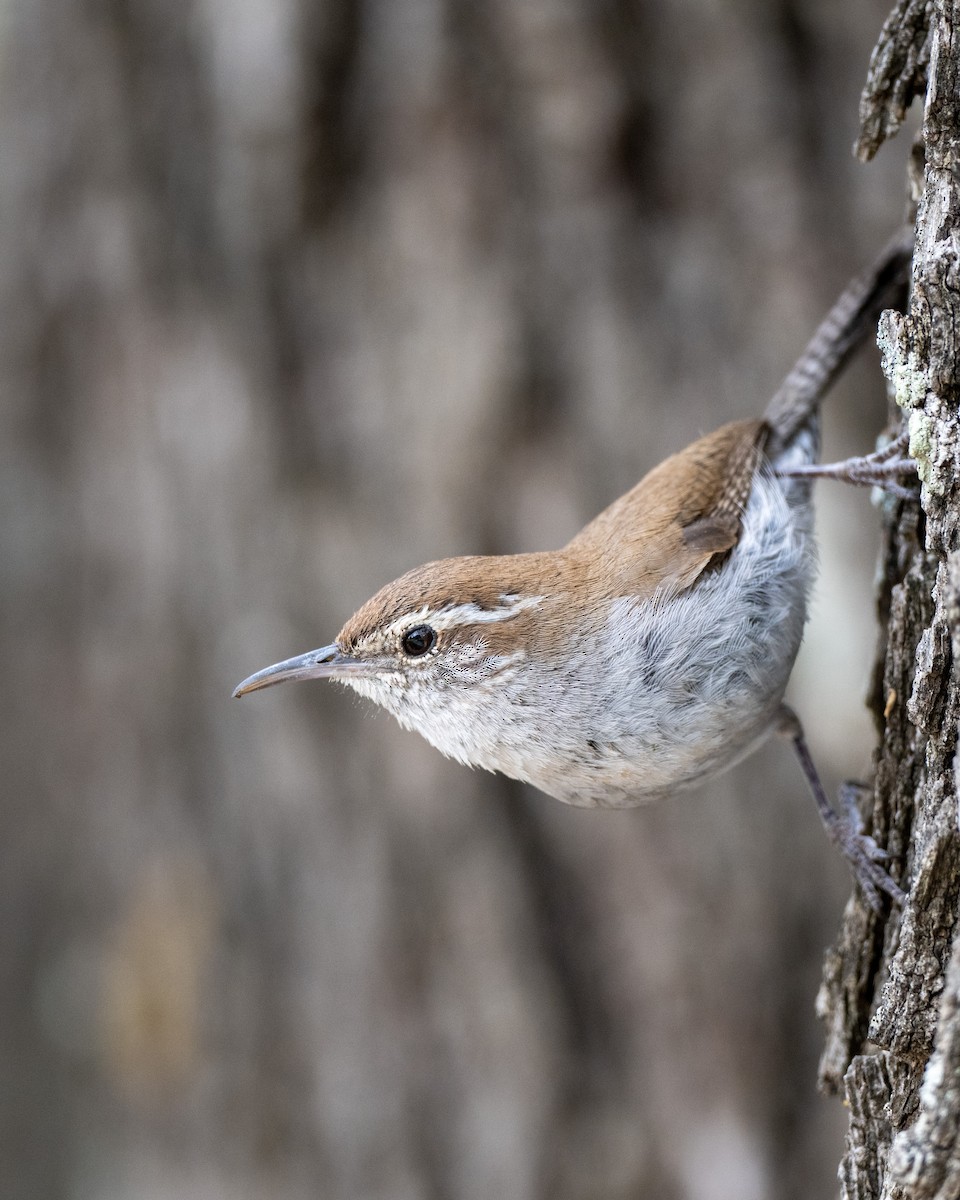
{"points": [[442, 648]]}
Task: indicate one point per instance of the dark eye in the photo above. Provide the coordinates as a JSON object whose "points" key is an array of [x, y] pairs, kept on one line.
{"points": [[418, 640]]}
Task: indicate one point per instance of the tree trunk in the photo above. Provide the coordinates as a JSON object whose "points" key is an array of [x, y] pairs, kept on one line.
{"points": [[296, 294], [895, 983]]}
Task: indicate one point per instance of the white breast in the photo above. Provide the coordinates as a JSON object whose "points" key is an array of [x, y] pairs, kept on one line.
{"points": [[670, 691]]}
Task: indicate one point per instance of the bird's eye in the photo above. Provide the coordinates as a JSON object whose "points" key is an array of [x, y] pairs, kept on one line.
{"points": [[418, 640]]}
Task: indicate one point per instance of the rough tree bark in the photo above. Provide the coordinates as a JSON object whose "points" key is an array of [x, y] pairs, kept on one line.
{"points": [[891, 991]]}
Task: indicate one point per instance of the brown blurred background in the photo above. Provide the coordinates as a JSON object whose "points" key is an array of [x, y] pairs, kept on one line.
{"points": [[295, 295]]}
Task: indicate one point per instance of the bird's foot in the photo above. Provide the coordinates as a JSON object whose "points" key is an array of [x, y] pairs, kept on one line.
{"points": [[884, 469], [866, 859]]}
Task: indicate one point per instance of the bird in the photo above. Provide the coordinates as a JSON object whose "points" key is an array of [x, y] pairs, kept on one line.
{"points": [[652, 651]]}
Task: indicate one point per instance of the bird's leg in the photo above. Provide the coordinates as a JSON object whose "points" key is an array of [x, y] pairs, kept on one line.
{"points": [[864, 857], [881, 469]]}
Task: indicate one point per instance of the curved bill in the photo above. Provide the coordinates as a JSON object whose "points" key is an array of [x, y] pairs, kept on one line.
{"points": [[328, 662]]}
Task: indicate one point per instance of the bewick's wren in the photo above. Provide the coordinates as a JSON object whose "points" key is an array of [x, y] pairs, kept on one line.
{"points": [[653, 650]]}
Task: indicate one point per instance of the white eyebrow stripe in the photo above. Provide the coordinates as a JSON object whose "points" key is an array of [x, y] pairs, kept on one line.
{"points": [[473, 614], [468, 614]]}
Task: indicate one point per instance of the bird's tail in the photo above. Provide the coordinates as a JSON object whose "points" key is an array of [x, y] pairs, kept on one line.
{"points": [[793, 411]]}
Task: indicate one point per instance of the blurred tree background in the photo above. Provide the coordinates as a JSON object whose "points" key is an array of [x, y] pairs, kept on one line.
{"points": [[295, 295]]}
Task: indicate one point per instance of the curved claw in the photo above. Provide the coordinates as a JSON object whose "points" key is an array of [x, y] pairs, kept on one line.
{"points": [[875, 883], [865, 858]]}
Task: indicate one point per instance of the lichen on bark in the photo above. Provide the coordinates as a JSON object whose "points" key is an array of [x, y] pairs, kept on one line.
{"points": [[891, 990]]}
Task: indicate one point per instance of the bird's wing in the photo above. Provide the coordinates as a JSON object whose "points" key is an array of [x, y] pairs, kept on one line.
{"points": [[680, 518]]}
